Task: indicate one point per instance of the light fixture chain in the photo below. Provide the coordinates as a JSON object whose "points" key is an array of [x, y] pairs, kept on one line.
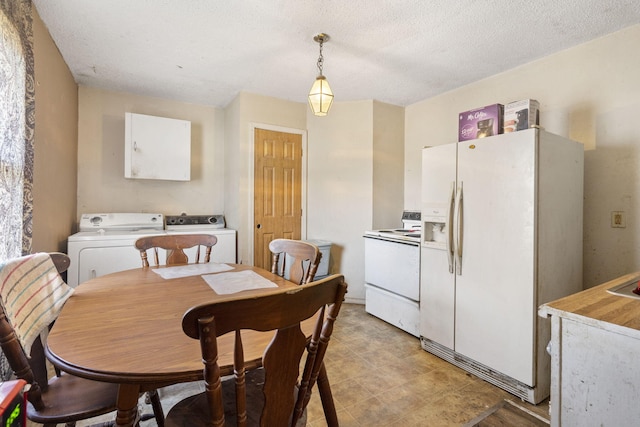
{"points": [[320, 58], [320, 95]]}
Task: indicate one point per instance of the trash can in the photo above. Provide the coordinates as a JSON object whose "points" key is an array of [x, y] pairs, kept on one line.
{"points": [[325, 250], [323, 267]]}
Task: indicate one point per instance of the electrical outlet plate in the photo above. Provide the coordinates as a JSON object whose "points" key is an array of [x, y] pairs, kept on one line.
{"points": [[618, 219]]}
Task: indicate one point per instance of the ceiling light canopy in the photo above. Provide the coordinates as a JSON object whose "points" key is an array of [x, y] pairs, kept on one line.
{"points": [[320, 95]]}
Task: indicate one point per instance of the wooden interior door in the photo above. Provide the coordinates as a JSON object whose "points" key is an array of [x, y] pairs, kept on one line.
{"points": [[277, 191]]}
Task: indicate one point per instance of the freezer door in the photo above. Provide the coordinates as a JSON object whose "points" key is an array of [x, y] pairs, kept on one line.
{"points": [[437, 294], [495, 292], [437, 287]]}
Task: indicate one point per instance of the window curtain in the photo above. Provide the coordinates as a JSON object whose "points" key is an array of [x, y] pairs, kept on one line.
{"points": [[17, 124]]}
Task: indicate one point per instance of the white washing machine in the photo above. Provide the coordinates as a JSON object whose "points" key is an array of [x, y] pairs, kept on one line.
{"points": [[105, 242]]}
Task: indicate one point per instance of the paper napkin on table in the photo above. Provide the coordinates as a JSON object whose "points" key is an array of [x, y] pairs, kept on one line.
{"points": [[186, 270], [236, 281]]}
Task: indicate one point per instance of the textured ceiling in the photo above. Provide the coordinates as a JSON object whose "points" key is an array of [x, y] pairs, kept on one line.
{"points": [[394, 51]]}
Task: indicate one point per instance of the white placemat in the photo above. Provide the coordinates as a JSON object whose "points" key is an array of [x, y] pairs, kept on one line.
{"points": [[236, 281], [178, 271]]}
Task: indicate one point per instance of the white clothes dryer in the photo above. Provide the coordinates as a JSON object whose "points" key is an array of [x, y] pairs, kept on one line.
{"points": [[224, 250]]}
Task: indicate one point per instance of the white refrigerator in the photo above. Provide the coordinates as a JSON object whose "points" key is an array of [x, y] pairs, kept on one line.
{"points": [[501, 235]]}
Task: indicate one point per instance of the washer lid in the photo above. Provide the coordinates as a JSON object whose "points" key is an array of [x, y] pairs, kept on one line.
{"points": [[121, 221]]}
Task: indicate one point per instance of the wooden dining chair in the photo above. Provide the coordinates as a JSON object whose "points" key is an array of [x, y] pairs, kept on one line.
{"points": [[296, 258], [175, 244], [276, 394], [293, 258], [64, 398]]}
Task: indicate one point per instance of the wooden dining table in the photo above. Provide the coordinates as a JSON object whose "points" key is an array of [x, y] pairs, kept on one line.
{"points": [[126, 328]]}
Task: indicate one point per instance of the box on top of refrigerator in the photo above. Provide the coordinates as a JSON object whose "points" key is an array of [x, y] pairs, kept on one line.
{"points": [[480, 123], [521, 115]]}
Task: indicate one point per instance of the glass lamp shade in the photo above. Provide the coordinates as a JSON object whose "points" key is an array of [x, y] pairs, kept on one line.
{"points": [[320, 96]]}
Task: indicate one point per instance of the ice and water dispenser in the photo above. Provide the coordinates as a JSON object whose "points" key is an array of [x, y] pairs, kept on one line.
{"points": [[434, 226]]}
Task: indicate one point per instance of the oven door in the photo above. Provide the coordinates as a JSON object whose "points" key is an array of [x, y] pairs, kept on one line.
{"points": [[393, 266]]}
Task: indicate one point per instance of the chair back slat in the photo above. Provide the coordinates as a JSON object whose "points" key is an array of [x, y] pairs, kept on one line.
{"points": [[175, 244], [297, 258]]}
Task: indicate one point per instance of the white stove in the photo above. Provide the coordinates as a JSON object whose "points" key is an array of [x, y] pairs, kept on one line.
{"points": [[105, 241], [410, 231], [392, 273]]}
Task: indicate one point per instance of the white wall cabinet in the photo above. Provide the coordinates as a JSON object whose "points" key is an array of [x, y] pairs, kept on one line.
{"points": [[157, 148]]}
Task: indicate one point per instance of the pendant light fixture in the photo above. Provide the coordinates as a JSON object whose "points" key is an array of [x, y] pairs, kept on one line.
{"points": [[320, 95]]}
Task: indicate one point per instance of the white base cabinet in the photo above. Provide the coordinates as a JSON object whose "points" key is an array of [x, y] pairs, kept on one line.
{"points": [[595, 375], [595, 350]]}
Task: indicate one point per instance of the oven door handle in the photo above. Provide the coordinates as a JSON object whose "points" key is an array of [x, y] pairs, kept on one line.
{"points": [[459, 230], [449, 226]]}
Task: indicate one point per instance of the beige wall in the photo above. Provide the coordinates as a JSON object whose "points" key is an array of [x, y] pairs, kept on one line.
{"points": [[56, 142], [341, 186], [102, 186], [244, 112], [355, 162], [388, 165], [588, 93], [345, 149]]}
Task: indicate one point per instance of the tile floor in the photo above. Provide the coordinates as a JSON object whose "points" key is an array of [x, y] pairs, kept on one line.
{"points": [[381, 377]]}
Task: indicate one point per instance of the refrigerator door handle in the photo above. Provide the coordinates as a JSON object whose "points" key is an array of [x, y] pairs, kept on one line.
{"points": [[449, 226], [459, 230]]}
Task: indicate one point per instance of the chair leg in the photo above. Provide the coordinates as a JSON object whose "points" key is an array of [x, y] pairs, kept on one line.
{"points": [[157, 407], [153, 398], [324, 388]]}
